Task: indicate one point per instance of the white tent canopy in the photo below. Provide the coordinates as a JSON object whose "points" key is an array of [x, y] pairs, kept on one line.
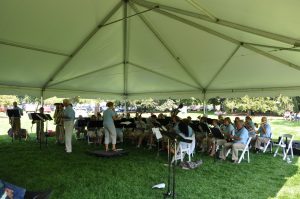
{"points": [[154, 48]]}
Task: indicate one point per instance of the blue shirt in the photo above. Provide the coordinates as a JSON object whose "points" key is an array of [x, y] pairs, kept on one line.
{"points": [[243, 134], [267, 130], [228, 129], [69, 113], [19, 192], [108, 117]]}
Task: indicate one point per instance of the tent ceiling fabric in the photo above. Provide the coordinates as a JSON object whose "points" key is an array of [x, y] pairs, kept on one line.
{"points": [[155, 48]]}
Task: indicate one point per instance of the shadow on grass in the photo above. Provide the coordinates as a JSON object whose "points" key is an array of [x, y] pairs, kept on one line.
{"points": [[79, 175]]}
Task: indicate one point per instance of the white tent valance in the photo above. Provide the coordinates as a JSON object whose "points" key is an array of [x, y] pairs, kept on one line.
{"points": [[155, 48]]}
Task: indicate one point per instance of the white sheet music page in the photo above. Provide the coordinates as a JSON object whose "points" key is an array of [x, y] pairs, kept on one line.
{"points": [[157, 133]]}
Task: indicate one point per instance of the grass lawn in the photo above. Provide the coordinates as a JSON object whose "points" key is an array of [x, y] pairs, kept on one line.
{"points": [[79, 175]]}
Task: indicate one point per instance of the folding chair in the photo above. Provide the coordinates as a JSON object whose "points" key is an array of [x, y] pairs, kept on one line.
{"points": [[244, 150], [266, 145], [285, 143], [185, 149]]}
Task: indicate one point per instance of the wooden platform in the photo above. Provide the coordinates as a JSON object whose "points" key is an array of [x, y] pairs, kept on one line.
{"points": [[108, 154]]}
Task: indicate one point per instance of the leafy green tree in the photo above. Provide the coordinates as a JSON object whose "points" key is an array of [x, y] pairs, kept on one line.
{"points": [[7, 100]]}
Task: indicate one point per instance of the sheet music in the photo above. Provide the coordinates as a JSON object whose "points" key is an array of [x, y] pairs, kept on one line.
{"points": [[126, 122], [157, 133]]}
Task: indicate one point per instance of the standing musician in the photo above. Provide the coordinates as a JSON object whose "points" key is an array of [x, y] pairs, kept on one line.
{"points": [[59, 122], [15, 122], [69, 117]]}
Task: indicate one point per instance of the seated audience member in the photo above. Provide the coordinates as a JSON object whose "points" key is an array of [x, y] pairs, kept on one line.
{"points": [[227, 130], [239, 142], [79, 127], [264, 133]]}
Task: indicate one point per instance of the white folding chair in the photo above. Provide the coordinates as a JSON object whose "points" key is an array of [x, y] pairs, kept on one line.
{"points": [[285, 143], [266, 145], [185, 148], [244, 150]]}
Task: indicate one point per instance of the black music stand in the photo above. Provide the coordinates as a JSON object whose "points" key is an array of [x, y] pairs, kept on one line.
{"points": [[38, 117], [81, 124], [47, 117], [95, 125], [14, 113], [217, 134], [173, 137]]}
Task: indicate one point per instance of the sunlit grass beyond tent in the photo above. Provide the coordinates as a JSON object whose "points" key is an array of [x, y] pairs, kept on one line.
{"points": [[79, 175]]}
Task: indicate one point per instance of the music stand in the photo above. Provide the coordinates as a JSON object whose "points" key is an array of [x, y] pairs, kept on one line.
{"points": [[38, 117], [80, 126], [171, 136], [217, 134], [14, 113], [95, 125]]}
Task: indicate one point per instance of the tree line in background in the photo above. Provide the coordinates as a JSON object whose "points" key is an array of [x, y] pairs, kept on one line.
{"points": [[251, 105]]}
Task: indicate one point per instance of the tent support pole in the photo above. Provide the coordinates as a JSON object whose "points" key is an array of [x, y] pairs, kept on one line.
{"points": [[42, 98], [126, 47], [163, 42], [204, 101], [82, 44]]}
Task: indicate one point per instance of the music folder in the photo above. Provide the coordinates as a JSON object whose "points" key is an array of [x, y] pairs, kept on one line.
{"points": [[36, 116], [217, 133], [13, 113]]}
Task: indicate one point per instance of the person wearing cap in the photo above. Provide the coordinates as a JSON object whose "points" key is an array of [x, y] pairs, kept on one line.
{"points": [[69, 117], [109, 115]]}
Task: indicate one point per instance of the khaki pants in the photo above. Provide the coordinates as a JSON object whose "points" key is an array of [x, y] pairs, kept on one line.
{"points": [[234, 147], [110, 134], [68, 135], [261, 140]]}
